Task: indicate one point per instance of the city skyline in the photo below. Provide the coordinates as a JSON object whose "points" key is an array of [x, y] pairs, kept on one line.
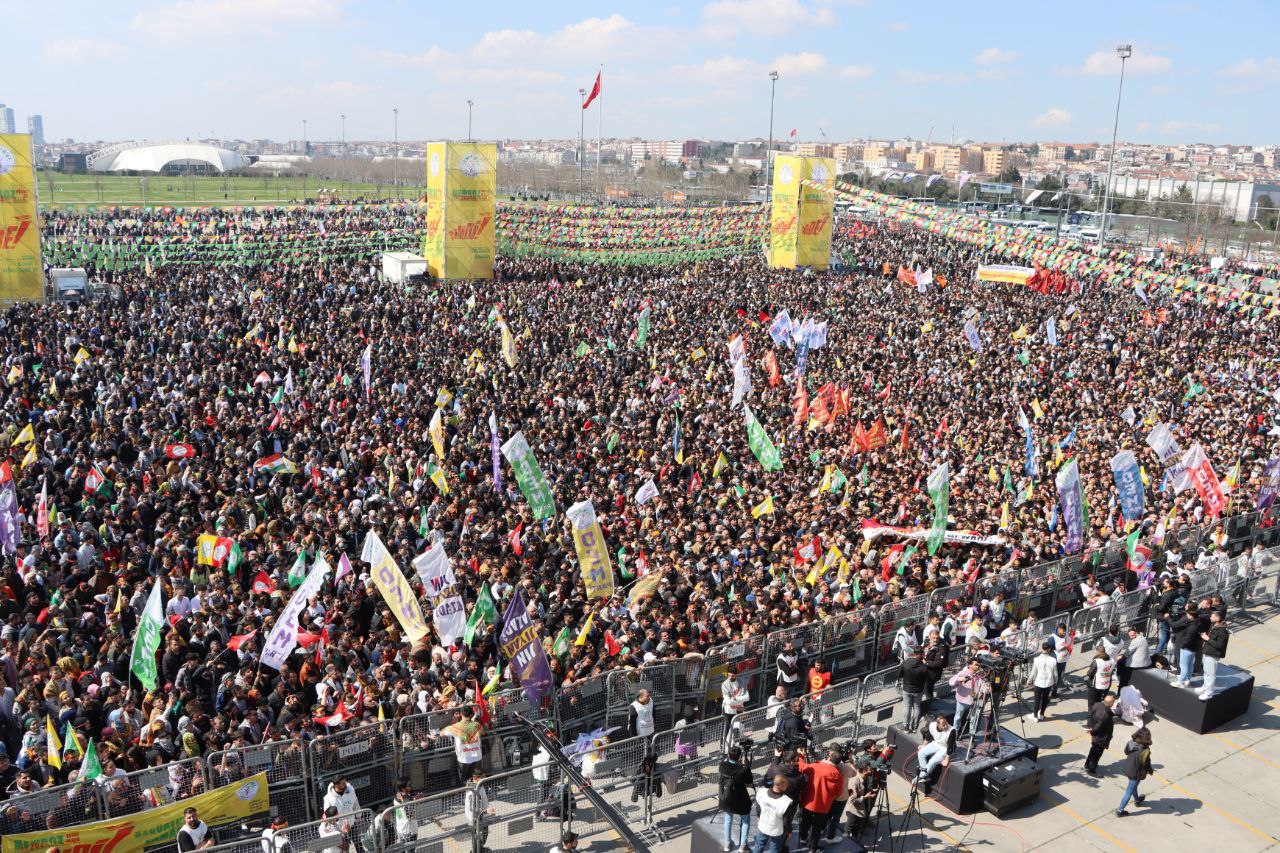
{"points": [[247, 70]]}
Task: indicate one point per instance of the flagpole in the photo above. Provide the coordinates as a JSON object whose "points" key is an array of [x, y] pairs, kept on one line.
{"points": [[599, 133]]}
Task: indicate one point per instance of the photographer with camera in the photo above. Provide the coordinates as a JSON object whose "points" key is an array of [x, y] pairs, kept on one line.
{"points": [[785, 767], [971, 690], [848, 772], [792, 729], [862, 799], [736, 794]]}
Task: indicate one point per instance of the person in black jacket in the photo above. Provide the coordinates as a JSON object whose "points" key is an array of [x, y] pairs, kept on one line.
{"points": [[736, 794], [1166, 610], [1137, 766], [913, 673], [787, 767], [1213, 650], [1102, 723], [935, 661], [1187, 629]]}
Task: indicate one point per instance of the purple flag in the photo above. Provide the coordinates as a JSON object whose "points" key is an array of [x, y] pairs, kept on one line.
{"points": [[1270, 484], [366, 367], [1071, 500], [344, 568], [520, 642], [493, 451], [8, 518]]}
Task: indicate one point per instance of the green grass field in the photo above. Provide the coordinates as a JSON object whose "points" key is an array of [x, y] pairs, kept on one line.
{"points": [[59, 190]]}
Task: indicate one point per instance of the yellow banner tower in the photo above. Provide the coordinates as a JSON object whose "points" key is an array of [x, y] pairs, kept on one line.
{"points": [[21, 276], [461, 209], [800, 226]]}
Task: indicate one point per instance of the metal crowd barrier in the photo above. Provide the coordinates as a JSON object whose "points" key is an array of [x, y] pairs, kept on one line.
{"points": [[288, 774]]}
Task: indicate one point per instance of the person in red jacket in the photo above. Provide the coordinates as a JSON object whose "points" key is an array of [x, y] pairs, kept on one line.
{"points": [[823, 785]]}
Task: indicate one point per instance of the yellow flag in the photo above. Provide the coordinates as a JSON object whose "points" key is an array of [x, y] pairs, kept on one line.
{"points": [[812, 578], [15, 373], [1146, 481], [1021, 333], [708, 376], [826, 479], [1057, 455], [30, 457], [1036, 409], [1004, 515], [381, 716], [991, 474], [53, 387], [204, 549], [586, 629], [698, 354], [82, 355], [119, 601], [721, 464], [765, 507], [27, 434], [437, 477], [53, 746], [926, 328], [436, 429], [293, 347]]}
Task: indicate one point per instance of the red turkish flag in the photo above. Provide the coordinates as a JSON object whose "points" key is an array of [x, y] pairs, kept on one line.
{"points": [[610, 644], [179, 451], [594, 93], [239, 640]]}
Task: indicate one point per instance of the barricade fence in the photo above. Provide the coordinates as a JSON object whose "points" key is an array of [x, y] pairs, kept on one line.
{"points": [[862, 701]]}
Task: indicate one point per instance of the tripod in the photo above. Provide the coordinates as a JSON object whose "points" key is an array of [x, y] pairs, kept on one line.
{"points": [[878, 812], [912, 809]]}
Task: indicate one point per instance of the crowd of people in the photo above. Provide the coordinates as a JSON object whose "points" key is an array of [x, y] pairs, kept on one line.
{"points": [[131, 429]]}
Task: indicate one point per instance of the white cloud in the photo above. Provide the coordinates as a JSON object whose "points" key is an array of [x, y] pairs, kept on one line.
{"points": [[432, 57], [726, 18], [996, 56], [731, 70], [1142, 126], [914, 77], [1253, 69], [1190, 127], [1105, 63], [798, 64], [992, 74], [857, 72], [216, 18], [82, 50], [1052, 117], [504, 76], [899, 26]]}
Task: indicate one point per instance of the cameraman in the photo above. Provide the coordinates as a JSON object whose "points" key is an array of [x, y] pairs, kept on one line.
{"points": [[736, 793], [861, 800], [792, 729], [971, 689]]}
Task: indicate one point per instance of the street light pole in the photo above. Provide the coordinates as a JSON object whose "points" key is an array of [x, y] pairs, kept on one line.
{"points": [[582, 125], [344, 133], [470, 104], [1124, 51], [395, 163], [768, 154]]}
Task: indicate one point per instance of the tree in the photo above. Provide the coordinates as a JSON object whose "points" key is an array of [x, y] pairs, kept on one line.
{"points": [[1010, 175], [1267, 213], [1050, 183]]}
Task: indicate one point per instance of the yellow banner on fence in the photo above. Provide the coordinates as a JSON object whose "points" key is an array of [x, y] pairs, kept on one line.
{"points": [[461, 209], [151, 828], [800, 224], [21, 276]]}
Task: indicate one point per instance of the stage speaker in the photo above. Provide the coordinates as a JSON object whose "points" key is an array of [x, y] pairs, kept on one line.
{"points": [[1007, 786]]}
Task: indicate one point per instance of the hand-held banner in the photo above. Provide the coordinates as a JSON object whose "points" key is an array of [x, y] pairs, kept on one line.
{"points": [[1070, 497], [1206, 482], [447, 610], [759, 441], [1124, 467], [533, 485], [1270, 484], [395, 590], [939, 486], [593, 553], [284, 636], [520, 642], [493, 451], [146, 639]]}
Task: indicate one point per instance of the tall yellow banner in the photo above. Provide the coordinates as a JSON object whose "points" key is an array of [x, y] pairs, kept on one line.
{"points": [[21, 276], [461, 209], [152, 828], [800, 224]]}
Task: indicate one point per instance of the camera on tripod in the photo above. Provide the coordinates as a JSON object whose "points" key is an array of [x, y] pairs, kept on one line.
{"points": [[871, 755]]}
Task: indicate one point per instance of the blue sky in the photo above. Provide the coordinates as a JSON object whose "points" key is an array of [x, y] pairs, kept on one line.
{"points": [[990, 70]]}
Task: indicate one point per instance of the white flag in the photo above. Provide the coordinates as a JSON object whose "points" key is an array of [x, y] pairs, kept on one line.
{"points": [[647, 492], [1129, 415], [447, 610], [284, 636]]}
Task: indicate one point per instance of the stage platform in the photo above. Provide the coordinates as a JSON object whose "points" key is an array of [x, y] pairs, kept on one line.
{"points": [[1182, 705], [959, 787], [707, 836]]}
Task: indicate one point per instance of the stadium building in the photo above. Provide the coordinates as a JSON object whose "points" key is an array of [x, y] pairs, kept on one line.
{"points": [[168, 158]]}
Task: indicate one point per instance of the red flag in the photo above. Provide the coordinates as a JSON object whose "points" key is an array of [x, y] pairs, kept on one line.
{"points": [[337, 718], [859, 438], [642, 565], [179, 451], [890, 558], [315, 477], [513, 539], [876, 436], [906, 437], [275, 422], [307, 640], [820, 412], [6, 473], [695, 483], [906, 276], [793, 132], [801, 403], [942, 428], [324, 641], [174, 619], [771, 368], [807, 551], [262, 583], [842, 401], [884, 395], [221, 551], [594, 93], [239, 640], [482, 708], [610, 644]]}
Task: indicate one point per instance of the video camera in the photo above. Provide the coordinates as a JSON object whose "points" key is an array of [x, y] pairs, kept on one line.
{"points": [[870, 754]]}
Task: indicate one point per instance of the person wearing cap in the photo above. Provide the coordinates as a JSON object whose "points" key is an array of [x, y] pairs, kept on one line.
{"points": [[274, 837], [476, 808]]}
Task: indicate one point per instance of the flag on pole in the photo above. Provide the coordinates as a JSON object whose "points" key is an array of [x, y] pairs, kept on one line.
{"points": [[586, 629], [53, 746], [482, 612], [939, 486], [765, 507], [146, 639], [594, 93], [91, 768]]}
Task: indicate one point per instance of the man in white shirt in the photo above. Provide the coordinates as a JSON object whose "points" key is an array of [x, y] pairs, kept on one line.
{"points": [[772, 828], [776, 701], [341, 796], [904, 641]]}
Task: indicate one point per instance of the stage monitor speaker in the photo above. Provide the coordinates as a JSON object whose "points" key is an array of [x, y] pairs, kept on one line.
{"points": [[1010, 785]]}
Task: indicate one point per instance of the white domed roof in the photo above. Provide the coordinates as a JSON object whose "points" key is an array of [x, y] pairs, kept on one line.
{"points": [[155, 157]]}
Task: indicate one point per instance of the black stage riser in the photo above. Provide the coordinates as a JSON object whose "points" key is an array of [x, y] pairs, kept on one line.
{"points": [[1182, 705], [708, 835], [960, 786]]}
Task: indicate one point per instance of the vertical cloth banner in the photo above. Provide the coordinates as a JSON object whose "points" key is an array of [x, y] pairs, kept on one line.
{"points": [[593, 553], [1124, 468], [971, 335], [1166, 449], [493, 451], [939, 486], [436, 429], [800, 224], [520, 642], [395, 590], [1071, 498], [461, 209], [1206, 482], [642, 328], [447, 610], [533, 485], [1030, 466], [9, 532], [284, 635], [508, 343], [146, 638], [780, 329], [760, 443], [1270, 484], [21, 273]]}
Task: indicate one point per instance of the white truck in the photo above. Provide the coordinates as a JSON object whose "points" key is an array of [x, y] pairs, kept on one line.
{"points": [[68, 285]]}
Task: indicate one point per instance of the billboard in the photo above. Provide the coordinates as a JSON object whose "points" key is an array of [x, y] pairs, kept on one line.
{"points": [[20, 271], [800, 220], [461, 209]]}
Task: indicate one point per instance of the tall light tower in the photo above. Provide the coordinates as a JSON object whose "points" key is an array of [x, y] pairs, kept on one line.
{"points": [[1123, 51], [344, 132], [395, 163], [768, 154], [470, 104], [582, 123]]}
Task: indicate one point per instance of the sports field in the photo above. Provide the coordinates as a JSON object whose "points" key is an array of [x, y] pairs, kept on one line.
{"points": [[60, 190]]}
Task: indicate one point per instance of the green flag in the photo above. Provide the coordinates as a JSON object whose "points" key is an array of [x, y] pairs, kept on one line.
{"points": [[1008, 480], [622, 564], [582, 350], [146, 642], [91, 768], [857, 590], [561, 646], [423, 527], [939, 486], [611, 443], [761, 445], [279, 396], [533, 484], [816, 458], [483, 611], [642, 329], [234, 557], [298, 572]]}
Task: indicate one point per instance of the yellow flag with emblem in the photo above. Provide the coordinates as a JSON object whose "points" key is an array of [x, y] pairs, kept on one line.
{"points": [[1037, 409], [28, 434], [765, 507]]}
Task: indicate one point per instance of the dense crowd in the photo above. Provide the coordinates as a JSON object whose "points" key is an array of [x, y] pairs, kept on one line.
{"points": [[239, 362]]}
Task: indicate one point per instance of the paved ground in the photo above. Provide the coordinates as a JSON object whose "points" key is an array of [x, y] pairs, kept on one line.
{"points": [[1213, 792]]}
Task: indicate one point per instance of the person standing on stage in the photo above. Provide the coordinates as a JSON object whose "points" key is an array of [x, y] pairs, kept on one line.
{"points": [[1213, 650]]}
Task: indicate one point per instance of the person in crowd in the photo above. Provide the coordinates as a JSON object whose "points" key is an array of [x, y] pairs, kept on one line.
{"points": [[341, 795], [736, 795], [862, 799], [1099, 678], [1063, 642], [640, 717], [194, 833], [776, 810], [849, 772], [1042, 676], [568, 842], [823, 785], [467, 735]]}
